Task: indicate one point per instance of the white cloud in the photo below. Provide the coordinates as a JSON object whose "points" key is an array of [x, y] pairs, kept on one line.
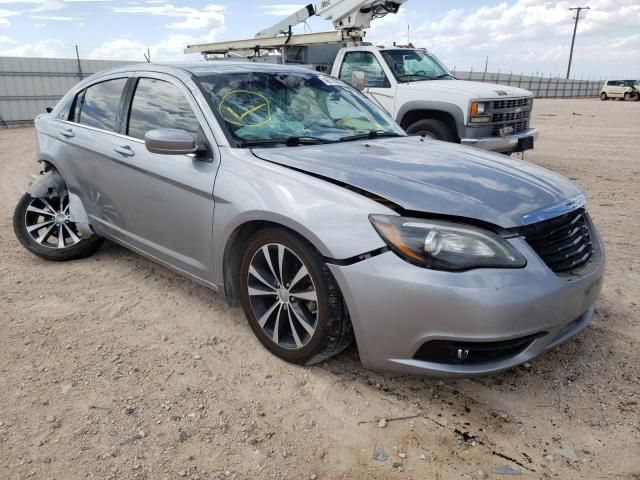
{"points": [[4, 22], [5, 39], [527, 36], [209, 17], [55, 18], [128, 48], [281, 10], [45, 48]]}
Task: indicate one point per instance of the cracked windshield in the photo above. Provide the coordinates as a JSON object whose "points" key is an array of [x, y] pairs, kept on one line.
{"points": [[415, 65], [264, 108]]}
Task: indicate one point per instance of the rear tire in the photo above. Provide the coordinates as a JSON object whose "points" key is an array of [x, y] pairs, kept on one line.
{"points": [[603, 97], [291, 300], [432, 128], [39, 226]]}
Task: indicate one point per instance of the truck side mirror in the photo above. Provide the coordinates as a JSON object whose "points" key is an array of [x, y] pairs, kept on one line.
{"points": [[358, 80]]}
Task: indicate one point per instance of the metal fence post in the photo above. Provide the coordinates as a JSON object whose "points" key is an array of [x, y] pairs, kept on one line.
{"points": [[79, 64], [510, 75], [548, 84], [520, 80]]}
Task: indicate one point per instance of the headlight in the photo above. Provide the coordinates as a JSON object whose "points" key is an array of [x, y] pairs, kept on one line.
{"points": [[442, 245], [477, 112]]}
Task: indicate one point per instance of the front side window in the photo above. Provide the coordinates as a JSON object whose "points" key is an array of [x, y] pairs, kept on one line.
{"points": [[276, 106], [415, 65], [159, 104], [99, 105], [364, 62]]}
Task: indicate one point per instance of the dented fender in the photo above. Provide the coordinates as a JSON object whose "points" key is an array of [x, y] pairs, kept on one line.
{"points": [[51, 184]]}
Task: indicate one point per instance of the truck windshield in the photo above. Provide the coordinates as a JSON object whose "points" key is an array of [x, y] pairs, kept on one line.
{"points": [[291, 108], [415, 65]]}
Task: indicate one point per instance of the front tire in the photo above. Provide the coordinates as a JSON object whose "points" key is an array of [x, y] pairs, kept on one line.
{"points": [[627, 97], [44, 227], [291, 300], [603, 97], [430, 127]]}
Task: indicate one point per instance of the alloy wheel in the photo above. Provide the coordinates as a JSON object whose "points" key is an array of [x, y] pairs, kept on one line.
{"points": [[283, 296], [49, 224]]}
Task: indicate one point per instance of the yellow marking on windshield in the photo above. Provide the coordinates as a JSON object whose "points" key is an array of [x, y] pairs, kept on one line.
{"points": [[253, 110], [230, 115]]}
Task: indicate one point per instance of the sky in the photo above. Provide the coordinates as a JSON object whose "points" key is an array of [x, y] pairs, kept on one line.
{"points": [[528, 36]]}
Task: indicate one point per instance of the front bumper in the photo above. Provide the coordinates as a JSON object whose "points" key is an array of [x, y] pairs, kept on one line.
{"points": [[396, 308], [506, 144]]}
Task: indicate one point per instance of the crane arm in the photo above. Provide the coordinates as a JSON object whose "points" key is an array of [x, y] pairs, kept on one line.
{"points": [[349, 16]]}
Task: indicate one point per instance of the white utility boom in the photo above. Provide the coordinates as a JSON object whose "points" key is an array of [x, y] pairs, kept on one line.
{"points": [[351, 17]]}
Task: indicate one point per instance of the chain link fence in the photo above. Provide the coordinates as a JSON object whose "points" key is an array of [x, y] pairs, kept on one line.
{"points": [[541, 86]]}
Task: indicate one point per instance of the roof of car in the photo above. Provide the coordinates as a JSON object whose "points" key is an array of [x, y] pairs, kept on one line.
{"points": [[206, 67]]}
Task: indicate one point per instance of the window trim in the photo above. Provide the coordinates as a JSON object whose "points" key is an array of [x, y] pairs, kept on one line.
{"points": [[82, 92], [201, 117], [386, 82], [132, 93]]}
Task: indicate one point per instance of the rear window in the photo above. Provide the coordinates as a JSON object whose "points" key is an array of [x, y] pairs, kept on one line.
{"points": [[99, 105]]}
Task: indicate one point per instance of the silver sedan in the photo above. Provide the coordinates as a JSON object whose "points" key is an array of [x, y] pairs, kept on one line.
{"points": [[295, 197]]}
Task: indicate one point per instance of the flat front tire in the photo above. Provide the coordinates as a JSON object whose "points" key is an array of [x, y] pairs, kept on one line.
{"points": [[291, 300], [45, 228]]}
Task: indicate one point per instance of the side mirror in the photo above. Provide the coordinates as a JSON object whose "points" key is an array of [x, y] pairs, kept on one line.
{"points": [[170, 141], [358, 80]]}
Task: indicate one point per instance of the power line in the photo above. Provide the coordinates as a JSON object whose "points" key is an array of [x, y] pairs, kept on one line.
{"points": [[573, 39]]}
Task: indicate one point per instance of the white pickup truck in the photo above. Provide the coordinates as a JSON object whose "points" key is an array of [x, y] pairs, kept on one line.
{"points": [[418, 91]]}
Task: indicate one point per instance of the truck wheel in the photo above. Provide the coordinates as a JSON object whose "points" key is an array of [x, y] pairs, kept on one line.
{"points": [[603, 96], [627, 96], [432, 128]]}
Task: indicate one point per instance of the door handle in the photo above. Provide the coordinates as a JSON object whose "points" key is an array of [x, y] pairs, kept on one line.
{"points": [[125, 151], [68, 133]]}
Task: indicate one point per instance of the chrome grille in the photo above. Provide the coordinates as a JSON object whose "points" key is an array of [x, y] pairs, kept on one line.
{"points": [[510, 116], [514, 113], [563, 243], [514, 103]]}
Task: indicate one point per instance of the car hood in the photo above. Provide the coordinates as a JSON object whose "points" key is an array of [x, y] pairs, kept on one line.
{"points": [[478, 89], [435, 177]]}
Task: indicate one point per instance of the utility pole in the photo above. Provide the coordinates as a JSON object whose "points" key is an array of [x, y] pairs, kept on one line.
{"points": [[573, 39]]}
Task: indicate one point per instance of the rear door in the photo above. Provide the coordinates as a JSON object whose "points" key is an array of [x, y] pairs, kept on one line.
{"points": [[163, 204], [88, 136]]}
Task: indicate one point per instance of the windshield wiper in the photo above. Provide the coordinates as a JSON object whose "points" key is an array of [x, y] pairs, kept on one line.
{"points": [[289, 141], [370, 135], [443, 75]]}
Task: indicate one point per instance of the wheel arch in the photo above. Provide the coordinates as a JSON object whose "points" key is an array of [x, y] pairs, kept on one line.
{"points": [[235, 247], [449, 113], [50, 183]]}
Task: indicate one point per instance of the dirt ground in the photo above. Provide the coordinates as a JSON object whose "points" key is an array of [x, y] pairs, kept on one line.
{"points": [[116, 368]]}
